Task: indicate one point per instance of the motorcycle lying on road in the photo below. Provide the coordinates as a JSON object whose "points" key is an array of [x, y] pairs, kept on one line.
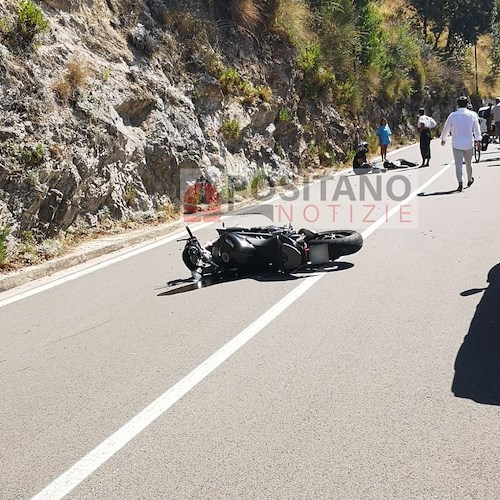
{"points": [[269, 249]]}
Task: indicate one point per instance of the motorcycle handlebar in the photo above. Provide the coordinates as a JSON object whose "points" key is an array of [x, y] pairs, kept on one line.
{"points": [[190, 235]]}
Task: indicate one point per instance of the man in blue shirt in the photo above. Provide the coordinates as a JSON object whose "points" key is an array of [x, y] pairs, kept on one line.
{"points": [[463, 124]]}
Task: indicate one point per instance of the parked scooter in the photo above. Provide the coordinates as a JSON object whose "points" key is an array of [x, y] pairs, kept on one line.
{"points": [[278, 249]]}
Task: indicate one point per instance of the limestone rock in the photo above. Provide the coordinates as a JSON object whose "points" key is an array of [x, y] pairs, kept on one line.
{"points": [[121, 102]]}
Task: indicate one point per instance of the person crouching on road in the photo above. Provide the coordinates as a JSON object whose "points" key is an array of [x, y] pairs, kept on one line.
{"points": [[360, 164], [463, 124]]}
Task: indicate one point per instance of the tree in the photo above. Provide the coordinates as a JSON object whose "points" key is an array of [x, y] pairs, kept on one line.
{"points": [[465, 20], [469, 19], [434, 15], [495, 45]]}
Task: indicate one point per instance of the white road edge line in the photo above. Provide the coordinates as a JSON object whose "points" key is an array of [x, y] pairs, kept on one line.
{"points": [[127, 255], [97, 267], [145, 248], [82, 469]]}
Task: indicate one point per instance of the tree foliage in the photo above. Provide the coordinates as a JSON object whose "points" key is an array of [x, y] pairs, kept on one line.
{"points": [[354, 51], [463, 21]]}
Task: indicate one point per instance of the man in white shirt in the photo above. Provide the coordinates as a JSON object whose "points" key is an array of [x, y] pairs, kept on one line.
{"points": [[464, 127]]}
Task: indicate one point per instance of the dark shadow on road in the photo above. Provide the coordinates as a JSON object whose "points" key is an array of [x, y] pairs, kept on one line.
{"points": [[377, 171], [487, 160], [472, 291], [438, 193], [364, 171], [477, 366], [486, 157], [177, 286]]}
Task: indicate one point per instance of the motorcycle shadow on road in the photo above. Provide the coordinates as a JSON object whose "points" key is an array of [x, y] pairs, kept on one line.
{"points": [[189, 284], [477, 366]]}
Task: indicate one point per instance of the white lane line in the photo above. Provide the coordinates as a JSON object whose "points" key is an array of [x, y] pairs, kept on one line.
{"points": [[146, 248], [393, 210], [97, 267], [88, 464], [99, 455]]}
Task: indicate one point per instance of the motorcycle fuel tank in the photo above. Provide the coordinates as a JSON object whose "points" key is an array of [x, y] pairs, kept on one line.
{"points": [[234, 250]]}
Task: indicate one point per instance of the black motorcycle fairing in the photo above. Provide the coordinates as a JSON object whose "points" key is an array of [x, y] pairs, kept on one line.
{"points": [[259, 251], [292, 255], [234, 250]]}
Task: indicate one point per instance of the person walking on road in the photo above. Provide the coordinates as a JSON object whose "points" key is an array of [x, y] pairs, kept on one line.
{"points": [[495, 118], [384, 138], [424, 125], [463, 124]]}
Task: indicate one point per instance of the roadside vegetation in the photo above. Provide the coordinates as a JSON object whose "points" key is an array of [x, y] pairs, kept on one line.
{"points": [[352, 51], [27, 27], [33, 249]]}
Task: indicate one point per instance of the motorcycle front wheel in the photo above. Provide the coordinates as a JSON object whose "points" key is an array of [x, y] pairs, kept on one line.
{"points": [[190, 258], [339, 242]]}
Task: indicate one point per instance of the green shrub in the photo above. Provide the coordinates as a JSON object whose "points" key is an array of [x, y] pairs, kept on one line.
{"points": [[247, 90], [309, 57], [285, 115], [293, 19], [28, 236], [32, 156], [347, 93], [226, 194], [318, 75], [231, 129], [372, 140], [397, 87], [28, 24], [129, 194], [4, 233], [229, 79], [258, 182], [197, 94], [372, 37], [265, 93], [232, 83]]}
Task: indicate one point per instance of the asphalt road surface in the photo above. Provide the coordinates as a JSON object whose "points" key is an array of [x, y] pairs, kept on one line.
{"points": [[378, 378]]}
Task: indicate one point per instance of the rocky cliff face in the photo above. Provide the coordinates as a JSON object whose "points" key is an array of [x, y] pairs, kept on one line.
{"points": [[121, 103]]}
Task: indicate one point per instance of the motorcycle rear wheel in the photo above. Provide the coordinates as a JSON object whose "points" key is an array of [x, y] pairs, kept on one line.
{"points": [[340, 242]]}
